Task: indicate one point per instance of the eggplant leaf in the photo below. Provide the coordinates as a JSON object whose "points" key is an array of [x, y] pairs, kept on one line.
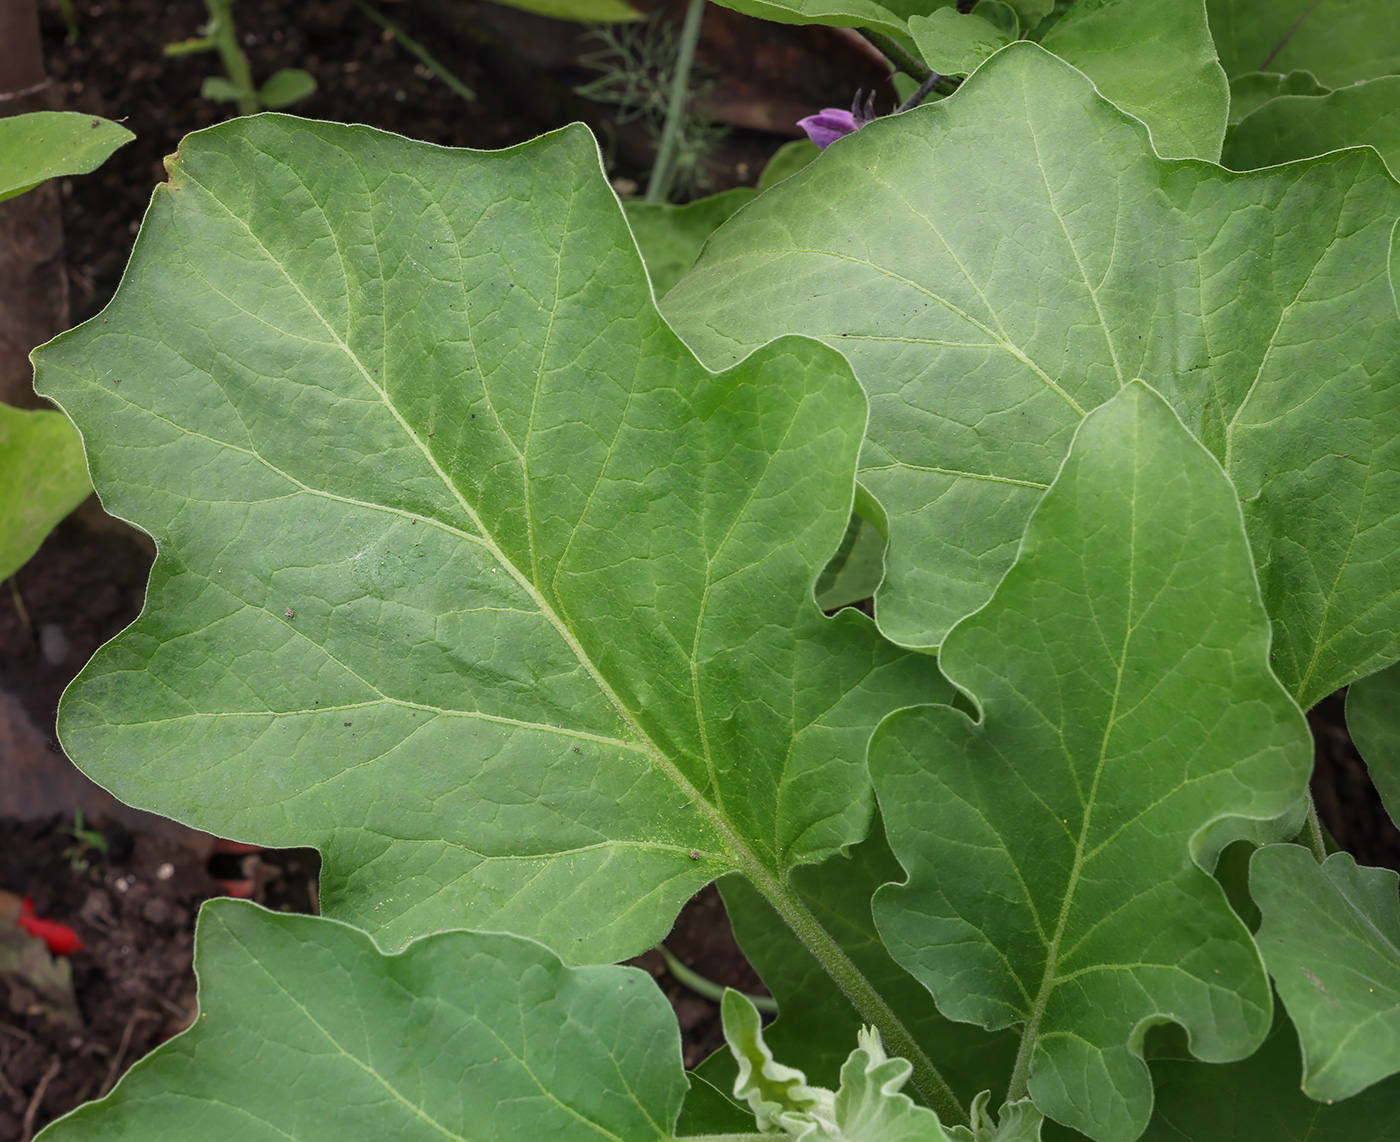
{"points": [[868, 1107], [1373, 717], [1331, 939], [307, 1031], [1300, 126], [42, 479], [1260, 1098], [1059, 849], [1250, 91], [670, 236], [999, 263], [816, 1023], [1339, 41], [469, 574], [1153, 58], [42, 145]]}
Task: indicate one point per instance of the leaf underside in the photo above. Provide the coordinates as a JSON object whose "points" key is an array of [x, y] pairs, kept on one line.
{"points": [[1057, 850], [470, 575], [1000, 263]]}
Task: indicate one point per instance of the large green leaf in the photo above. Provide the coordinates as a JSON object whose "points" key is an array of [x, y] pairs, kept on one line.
{"points": [[1373, 717], [469, 574], [1260, 1098], [42, 479], [1058, 849], [307, 1031], [816, 1023], [1300, 126], [889, 17], [670, 236], [1153, 58], [1001, 262], [1331, 939], [1339, 41], [46, 144]]}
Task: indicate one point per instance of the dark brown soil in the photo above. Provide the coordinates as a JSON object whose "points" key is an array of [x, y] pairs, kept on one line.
{"points": [[134, 911]]}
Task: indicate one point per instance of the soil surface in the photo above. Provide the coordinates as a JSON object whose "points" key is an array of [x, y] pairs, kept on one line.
{"points": [[134, 906]]}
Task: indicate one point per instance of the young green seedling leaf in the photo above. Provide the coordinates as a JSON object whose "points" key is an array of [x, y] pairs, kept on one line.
{"points": [[47, 144], [1339, 41], [1260, 1098], [306, 1030], [470, 575], [868, 1107], [1300, 126], [1331, 939], [42, 479], [1058, 849], [998, 264]]}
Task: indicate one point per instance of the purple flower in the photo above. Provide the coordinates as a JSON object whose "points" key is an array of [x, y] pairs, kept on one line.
{"points": [[828, 125]]}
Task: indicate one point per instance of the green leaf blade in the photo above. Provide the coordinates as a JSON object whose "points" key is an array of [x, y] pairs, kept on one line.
{"points": [[1371, 719], [462, 1035], [1331, 938], [453, 527], [43, 477], [1019, 254], [670, 236], [42, 145], [1300, 126], [1057, 850], [1156, 61], [1339, 41]]}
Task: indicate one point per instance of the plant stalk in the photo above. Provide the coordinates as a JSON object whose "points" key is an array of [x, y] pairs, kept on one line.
{"points": [[1311, 836], [225, 36], [708, 988], [416, 49], [662, 173], [868, 1002], [889, 47]]}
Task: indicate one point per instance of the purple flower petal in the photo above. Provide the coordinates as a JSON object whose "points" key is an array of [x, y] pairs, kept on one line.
{"points": [[828, 125]]}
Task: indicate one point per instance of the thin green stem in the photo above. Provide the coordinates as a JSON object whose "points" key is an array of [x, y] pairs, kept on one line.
{"points": [[1311, 836], [869, 1003], [708, 988], [725, 1138], [225, 36], [418, 50], [908, 63], [662, 173]]}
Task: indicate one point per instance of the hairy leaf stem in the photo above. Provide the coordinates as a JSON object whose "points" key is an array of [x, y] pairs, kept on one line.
{"points": [[1311, 836], [659, 185], [908, 63], [868, 1002]]}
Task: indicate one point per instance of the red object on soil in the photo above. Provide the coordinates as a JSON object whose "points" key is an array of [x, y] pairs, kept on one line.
{"points": [[61, 939]]}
